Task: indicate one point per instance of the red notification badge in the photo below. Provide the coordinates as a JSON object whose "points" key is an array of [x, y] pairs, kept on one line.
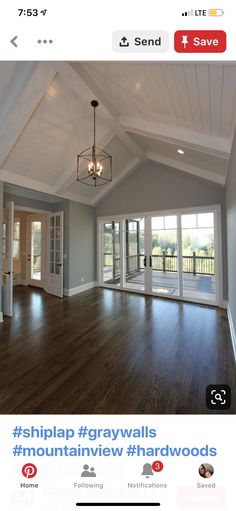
{"points": [[157, 466]]}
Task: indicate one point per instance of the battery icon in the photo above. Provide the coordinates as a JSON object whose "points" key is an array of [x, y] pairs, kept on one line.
{"points": [[215, 12]]}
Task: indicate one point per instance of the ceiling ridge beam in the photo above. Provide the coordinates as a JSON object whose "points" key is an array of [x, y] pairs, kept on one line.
{"points": [[85, 76], [195, 171], [211, 144]]}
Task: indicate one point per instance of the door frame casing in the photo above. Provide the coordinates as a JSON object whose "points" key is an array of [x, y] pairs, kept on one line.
{"points": [[216, 208]]}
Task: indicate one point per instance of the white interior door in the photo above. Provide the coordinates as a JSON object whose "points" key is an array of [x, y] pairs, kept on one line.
{"points": [[7, 270], [54, 284]]}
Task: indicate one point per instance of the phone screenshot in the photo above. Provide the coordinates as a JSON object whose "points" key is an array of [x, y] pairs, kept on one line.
{"points": [[117, 255]]}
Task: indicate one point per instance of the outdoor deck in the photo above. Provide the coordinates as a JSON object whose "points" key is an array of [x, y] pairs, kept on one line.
{"points": [[166, 283]]}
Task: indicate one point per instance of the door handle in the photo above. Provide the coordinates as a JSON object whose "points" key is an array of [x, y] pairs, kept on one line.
{"points": [[150, 261], [145, 261], [7, 273]]}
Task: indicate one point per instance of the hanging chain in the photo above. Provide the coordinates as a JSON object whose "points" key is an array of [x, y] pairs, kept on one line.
{"points": [[94, 126]]}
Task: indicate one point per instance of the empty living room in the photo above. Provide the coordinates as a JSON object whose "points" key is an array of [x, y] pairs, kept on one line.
{"points": [[118, 239]]}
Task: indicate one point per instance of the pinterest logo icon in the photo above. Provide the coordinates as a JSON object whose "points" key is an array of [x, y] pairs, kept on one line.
{"points": [[29, 470]]}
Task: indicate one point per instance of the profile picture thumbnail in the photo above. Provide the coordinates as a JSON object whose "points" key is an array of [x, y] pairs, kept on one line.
{"points": [[206, 470]]}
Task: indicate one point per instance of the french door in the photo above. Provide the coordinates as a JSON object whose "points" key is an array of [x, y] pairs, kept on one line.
{"points": [[7, 260], [174, 254], [54, 284]]}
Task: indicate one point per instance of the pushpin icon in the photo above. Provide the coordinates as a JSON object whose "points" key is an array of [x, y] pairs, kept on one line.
{"points": [[185, 40]]}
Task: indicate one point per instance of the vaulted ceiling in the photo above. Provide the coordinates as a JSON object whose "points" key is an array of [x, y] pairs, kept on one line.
{"points": [[147, 111]]}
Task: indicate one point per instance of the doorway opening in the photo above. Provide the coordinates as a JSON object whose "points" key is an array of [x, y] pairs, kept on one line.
{"points": [[32, 252]]}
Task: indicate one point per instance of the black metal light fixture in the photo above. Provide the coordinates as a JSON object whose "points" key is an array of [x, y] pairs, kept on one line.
{"points": [[94, 165]]}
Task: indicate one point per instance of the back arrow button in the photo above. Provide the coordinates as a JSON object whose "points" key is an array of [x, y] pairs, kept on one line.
{"points": [[13, 41]]}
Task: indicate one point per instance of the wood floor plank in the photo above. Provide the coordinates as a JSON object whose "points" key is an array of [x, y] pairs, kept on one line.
{"points": [[106, 351]]}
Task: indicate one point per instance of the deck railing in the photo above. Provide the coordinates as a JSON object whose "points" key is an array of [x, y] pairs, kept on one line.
{"points": [[196, 265]]}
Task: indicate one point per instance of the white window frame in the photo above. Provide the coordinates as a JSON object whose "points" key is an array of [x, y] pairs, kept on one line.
{"points": [[216, 209]]}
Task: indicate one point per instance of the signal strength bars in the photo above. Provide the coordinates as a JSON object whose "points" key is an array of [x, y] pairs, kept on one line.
{"points": [[188, 13]]}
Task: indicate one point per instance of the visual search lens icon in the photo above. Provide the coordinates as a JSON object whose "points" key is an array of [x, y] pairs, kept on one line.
{"points": [[218, 397]]}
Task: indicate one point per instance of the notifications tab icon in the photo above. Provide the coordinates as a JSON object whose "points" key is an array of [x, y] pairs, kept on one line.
{"points": [[200, 41]]}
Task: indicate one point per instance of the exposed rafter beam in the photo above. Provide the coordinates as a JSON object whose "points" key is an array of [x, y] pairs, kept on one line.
{"points": [[216, 146], [82, 72], [21, 100], [205, 174], [131, 167], [25, 182]]}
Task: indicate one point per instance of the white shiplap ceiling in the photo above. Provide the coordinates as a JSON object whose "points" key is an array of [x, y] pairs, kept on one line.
{"points": [[146, 111]]}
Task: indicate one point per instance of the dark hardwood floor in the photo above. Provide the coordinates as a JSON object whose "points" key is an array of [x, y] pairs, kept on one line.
{"points": [[107, 351]]}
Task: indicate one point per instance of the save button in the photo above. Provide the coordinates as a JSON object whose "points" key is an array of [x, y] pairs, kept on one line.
{"points": [[200, 41]]}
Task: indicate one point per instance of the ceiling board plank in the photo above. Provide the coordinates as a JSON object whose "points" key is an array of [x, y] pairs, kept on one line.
{"points": [[216, 86], [20, 106]]}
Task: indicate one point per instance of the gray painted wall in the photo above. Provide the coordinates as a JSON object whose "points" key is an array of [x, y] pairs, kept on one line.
{"points": [[154, 187], [81, 244], [1, 219], [231, 232]]}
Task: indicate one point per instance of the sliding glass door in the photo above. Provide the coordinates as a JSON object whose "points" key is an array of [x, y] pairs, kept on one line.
{"points": [[111, 253], [198, 256], [164, 255], [134, 254], [175, 254]]}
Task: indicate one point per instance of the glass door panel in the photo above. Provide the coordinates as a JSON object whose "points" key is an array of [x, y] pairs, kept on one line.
{"points": [[36, 251], [164, 255], [111, 253], [198, 256], [135, 260], [54, 284]]}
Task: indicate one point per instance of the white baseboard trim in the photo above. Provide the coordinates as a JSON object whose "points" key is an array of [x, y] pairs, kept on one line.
{"points": [[23, 282], [79, 289], [224, 304], [1, 317], [232, 330]]}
